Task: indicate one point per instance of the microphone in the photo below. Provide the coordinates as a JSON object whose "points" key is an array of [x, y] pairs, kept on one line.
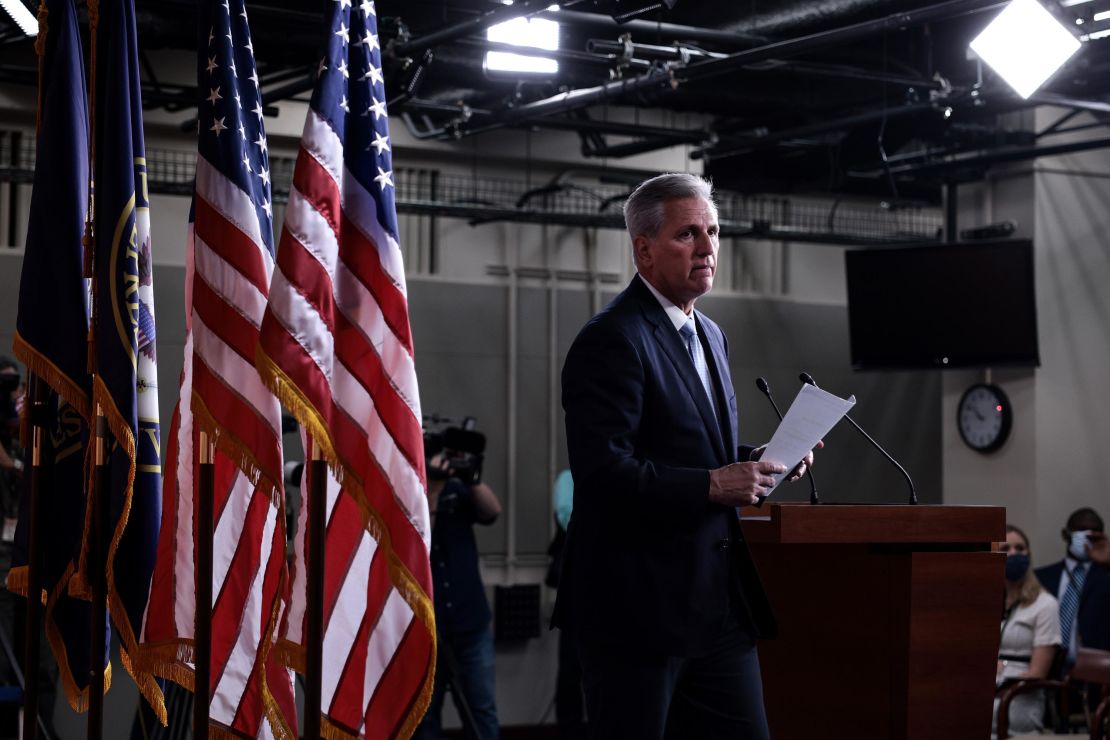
{"points": [[808, 379], [765, 389]]}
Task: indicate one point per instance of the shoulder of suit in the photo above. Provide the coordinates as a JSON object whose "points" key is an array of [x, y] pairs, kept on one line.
{"points": [[620, 323], [624, 310]]}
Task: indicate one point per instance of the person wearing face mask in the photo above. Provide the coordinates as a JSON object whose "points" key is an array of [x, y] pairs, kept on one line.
{"points": [[1030, 634], [1081, 585]]}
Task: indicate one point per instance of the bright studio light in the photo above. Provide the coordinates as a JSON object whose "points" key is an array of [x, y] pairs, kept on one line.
{"points": [[23, 18], [535, 33], [1025, 45]]}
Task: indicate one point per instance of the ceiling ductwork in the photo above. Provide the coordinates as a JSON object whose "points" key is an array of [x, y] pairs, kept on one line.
{"points": [[833, 95]]}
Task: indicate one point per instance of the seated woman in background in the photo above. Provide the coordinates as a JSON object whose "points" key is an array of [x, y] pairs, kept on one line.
{"points": [[1030, 633]]}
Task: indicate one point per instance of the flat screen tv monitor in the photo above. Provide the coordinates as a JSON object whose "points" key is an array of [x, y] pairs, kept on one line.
{"points": [[945, 306]]}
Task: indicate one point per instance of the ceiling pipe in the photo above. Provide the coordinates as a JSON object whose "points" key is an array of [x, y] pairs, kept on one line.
{"points": [[618, 128], [787, 18], [477, 213], [577, 125], [842, 71], [1059, 122], [562, 55], [684, 53], [1040, 98], [1004, 154], [292, 89], [798, 132], [652, 52], [631, 148], [676, 74], [577, 99], [846, 34], [432, 106], [1049, 98], [655, 30], [283, 74]]}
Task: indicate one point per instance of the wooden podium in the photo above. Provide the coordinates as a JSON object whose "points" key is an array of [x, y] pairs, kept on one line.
{"points": [[888, 619]]}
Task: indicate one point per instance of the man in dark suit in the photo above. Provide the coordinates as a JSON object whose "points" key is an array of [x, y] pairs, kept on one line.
{"points": [[658, 585], [1081, 584]]}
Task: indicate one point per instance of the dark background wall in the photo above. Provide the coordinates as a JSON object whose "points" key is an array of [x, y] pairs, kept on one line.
{"points": [[461, 336]]}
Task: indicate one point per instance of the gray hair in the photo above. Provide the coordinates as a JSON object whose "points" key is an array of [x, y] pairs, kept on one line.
{"points": [[643, 211]]}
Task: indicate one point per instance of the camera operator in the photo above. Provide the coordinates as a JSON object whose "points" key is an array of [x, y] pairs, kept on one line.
{"points": [[457, 500], [11, 464]]}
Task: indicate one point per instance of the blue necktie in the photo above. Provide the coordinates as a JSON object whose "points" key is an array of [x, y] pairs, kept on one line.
{"points": [[1069, 604], [693, 346]]}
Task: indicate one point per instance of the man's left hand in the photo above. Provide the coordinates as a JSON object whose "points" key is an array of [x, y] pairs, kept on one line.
{"points": [[806, 463]]}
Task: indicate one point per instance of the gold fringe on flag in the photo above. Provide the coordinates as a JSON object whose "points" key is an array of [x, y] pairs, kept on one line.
{"points": [[401, 577], [238, 452], [171, 659], [121, 430], [274, 714]]}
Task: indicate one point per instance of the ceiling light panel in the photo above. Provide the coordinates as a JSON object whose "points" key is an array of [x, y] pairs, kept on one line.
{"points": [[1025, 45], [23, 18], [533, 33]]}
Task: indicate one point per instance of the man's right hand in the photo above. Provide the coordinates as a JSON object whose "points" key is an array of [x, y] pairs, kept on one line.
{"points": [[740, 484]]}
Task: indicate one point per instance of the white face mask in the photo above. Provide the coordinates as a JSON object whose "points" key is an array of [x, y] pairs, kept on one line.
{"points": [[1078, 546]]}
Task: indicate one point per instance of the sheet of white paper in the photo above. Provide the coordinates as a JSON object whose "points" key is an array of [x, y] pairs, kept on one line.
{"points": [[810, 417]]}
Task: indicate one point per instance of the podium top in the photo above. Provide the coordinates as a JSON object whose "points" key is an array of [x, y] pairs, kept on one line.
{"points": [[801, 524]]}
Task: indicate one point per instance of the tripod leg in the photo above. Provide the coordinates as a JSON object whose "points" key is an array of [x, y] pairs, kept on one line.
{"points": [[449, 663]]}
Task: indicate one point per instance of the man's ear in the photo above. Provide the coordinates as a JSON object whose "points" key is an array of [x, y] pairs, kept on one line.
{"points": [[1066, 535], [641, 248]]}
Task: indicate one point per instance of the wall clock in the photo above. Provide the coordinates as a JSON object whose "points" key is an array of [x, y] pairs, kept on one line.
{"points": [[984, 417]]}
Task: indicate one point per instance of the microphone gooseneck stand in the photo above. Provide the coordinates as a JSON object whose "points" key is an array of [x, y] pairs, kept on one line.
{"points": [[808, 379]]}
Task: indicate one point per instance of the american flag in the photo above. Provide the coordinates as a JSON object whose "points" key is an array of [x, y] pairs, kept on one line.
{"points": [[229, 265], [336, 347]]}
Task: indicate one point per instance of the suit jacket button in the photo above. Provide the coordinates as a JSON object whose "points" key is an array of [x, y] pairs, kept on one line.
{"points": [[721, 545]]}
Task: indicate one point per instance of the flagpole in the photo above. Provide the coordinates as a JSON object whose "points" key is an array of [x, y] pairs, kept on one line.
{"points": [[34, 566], [97, 579], [314, 659], [202, 616], [202, 629], [102, 471]]}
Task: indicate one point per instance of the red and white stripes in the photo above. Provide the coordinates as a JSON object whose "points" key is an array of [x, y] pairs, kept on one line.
{"points": [[336, 346], [221, 392]]}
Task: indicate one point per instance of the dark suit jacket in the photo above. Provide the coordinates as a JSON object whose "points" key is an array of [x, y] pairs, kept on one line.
{"points": [[649, 561], [1093, 619]]}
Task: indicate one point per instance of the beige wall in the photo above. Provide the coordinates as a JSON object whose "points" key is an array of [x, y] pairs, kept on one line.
{"points": [[1053, 462]]}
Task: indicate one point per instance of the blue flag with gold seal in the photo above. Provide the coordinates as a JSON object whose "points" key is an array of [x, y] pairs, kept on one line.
{"points": [[123, 355], [51, 329]]}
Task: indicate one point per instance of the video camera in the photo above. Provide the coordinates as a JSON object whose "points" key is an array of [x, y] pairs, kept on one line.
{"points": [[463, 448]]}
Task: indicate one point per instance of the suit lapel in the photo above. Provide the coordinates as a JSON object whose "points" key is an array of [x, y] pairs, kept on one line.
{"points": [[718, 365], [672, 345]]}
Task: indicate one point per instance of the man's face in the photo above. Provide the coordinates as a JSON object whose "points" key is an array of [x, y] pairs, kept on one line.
{"points": [[1091, 525], [681, 259]]}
